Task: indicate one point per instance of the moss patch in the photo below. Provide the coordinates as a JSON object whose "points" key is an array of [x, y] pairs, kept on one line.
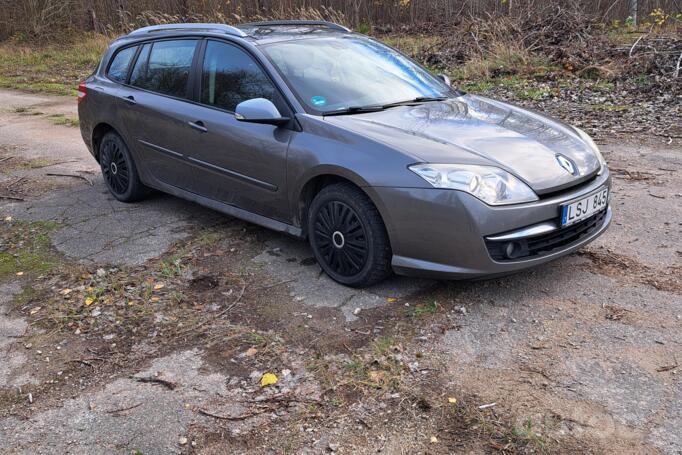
{"points": [[27, 248]]}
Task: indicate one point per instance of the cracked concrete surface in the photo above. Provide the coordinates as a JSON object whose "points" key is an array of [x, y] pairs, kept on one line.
{"points": [[125, 415], [292, 261], [99, 229], [10, 330]]}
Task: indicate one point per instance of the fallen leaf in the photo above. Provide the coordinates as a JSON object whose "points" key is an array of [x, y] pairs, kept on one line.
{"points": [[268, 379], [434, 439], [89, 301], [452, 400], [158, 286], [391, 299], [66, 291], [154, 299], [251, 352], [34, 310], [377, 376], [8, 219], [20, 273]]}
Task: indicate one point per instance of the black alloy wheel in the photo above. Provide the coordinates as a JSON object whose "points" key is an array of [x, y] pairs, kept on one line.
{"points": [[118, 169], [114, 168], [341, 238], [348, 236]]}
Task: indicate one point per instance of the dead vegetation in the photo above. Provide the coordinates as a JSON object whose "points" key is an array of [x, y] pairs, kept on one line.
{"points": [[617, 265]]}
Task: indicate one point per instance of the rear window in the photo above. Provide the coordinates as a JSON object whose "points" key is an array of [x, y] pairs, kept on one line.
{"points": [[164, 67], [118, 70]]}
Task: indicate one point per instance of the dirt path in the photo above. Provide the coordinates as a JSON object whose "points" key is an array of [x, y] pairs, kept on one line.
{"points": [[147, 327]]}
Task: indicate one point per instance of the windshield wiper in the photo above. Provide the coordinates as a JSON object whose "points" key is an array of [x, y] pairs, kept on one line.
{"points": [[419, 99], [375, 108], [355, 110]]}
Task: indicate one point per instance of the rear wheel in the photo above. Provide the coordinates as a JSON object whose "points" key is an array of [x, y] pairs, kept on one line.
{"points": [[118, 169], [348, 236]]}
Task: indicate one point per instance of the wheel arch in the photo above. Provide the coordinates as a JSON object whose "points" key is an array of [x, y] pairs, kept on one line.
{"points": [[324, 177], [98, 132]]}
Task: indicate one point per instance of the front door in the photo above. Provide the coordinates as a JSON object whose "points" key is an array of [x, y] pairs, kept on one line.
{"points": [[238, 163]]}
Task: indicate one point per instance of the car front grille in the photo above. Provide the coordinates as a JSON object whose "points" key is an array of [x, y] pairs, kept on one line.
{"points": [[544, 244]]}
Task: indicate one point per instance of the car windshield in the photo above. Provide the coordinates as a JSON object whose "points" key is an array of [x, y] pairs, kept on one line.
{"points": [[335, 74]]}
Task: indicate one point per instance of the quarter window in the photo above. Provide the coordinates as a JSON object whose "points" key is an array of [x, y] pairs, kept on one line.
{"points": [[118, 70], [231, 76], [164, 67]]}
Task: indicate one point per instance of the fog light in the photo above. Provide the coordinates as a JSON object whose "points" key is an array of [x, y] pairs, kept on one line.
{"points": [[511, 249]]}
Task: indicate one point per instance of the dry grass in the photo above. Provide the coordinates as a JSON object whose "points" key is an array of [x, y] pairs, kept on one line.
{"points": [[55, 68]]}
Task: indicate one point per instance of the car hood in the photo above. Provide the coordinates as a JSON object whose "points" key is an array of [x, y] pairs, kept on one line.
{"points": [[476, 130]]}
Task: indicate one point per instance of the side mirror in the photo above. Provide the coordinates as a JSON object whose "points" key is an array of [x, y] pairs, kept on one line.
{"points": [[259, 110], [445, 79]]}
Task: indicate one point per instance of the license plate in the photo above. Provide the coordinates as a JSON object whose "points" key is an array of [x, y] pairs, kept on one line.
{"points": [[585, 207]]}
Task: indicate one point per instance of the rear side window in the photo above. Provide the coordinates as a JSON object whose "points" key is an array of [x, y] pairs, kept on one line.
{"points": [[140, 68], [118, 70], [230, 76], [164, 67]]}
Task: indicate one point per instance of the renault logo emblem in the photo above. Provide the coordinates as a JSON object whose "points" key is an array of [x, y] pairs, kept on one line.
{"points": [[566, 164]]}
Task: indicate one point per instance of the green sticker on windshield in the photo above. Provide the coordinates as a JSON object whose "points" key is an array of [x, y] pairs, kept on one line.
{"points": [[318, 100]]}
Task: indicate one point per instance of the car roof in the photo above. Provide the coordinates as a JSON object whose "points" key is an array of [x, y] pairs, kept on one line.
{"points": [[256, 32]]}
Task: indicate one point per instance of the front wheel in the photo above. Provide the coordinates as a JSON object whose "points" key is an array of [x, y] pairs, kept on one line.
{"points": [[348, 236], [118, 169]]}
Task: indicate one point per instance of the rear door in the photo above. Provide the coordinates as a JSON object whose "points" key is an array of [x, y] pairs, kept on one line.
{"points": [[156, 110], [238, 163]]}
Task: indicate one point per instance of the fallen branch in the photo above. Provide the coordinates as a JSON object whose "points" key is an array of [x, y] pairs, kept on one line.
{"points": [[240, 417], [11, 198], [7, 158], [54, 174], [116, 411], [667, 368], [16, 182], [153, 380], [232, 305], [677, 68]]}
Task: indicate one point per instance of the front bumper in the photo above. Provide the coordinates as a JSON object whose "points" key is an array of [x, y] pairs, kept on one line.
{"points": [[442, 233]]}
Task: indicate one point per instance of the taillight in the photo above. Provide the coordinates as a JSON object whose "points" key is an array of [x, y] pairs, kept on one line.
{"points": [[82, 92]]}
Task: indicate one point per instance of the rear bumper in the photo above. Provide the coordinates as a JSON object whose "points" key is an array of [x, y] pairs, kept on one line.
{"points": [[442, 233]]}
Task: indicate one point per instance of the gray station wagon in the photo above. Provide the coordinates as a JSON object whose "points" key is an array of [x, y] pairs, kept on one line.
{"points": [[310, 129]]}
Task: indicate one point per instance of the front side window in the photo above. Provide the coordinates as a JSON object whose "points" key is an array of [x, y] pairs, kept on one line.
{"points": [[329, 74], [231, 76], [164, 67], [118, 70]]}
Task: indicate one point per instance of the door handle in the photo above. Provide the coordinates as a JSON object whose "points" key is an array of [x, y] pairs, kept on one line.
{"points": [[199, 126], [129, 100]]}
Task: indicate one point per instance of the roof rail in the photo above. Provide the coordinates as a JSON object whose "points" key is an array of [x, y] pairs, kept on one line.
{"points": [[220, 28], [330, 25]]}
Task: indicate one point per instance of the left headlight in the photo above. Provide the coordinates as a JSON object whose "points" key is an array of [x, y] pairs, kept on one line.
{"points": [[586, 137], [492, 185]]}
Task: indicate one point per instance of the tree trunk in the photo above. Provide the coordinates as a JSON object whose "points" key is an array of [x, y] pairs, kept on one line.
{"points": [[634, 11]]}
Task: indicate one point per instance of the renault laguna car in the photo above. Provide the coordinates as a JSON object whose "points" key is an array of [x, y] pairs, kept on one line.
{"points": [[310, 129]]}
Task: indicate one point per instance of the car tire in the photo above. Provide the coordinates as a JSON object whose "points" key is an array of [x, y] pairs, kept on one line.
{"points": [[119, 170], [348, 236]]}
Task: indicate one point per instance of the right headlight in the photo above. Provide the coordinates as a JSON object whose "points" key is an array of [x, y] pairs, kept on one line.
{"points": [[490, 184], [590, 142]]}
